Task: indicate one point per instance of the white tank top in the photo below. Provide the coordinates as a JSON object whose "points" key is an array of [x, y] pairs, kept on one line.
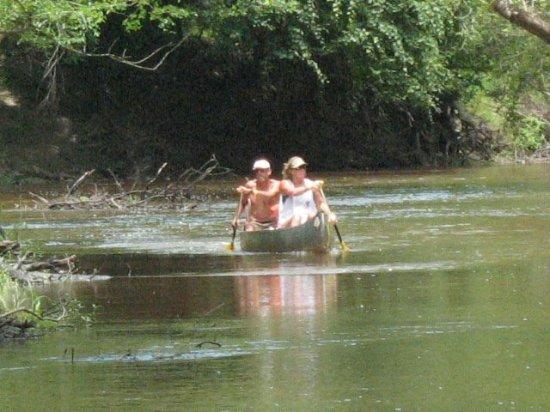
{"points": [[289, 205]]}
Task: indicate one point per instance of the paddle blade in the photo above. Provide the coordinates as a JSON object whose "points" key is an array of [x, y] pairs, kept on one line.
{"points": [[231, 246], [345, 248]]}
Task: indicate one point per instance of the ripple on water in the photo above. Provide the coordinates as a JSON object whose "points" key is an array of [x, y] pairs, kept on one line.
{"points": [[324, 270], [151, 356], [368, 198]]}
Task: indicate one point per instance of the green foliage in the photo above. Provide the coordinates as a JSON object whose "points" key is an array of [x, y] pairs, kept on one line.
{"points": [[528, 134], [13, 295], [380, 74], [512, 67], [394, 49]]}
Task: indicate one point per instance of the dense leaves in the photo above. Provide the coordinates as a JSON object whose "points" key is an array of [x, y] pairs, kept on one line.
{"points": [[382, 75], [390, 48]]}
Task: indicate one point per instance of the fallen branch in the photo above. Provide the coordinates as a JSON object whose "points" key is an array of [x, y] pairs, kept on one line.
{"points": [[53, 264], [7, 246], [75, 185], [199, 345], [150, 182], [29, 312], [117, 183]]}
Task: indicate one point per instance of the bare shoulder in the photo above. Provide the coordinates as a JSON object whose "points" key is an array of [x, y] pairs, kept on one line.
{"points": [[274, 182]]}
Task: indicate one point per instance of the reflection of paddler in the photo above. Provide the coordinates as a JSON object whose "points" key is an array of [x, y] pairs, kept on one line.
{"points": [[294, 293]]}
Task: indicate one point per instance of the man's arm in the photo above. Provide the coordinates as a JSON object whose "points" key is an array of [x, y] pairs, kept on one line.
{"points": [[266, 193], [243, 201]]}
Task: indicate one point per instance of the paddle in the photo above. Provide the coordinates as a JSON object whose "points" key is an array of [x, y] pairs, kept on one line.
{"points": [[343, 246], [231, 246]]}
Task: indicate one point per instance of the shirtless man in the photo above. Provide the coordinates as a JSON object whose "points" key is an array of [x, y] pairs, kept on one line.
{"points": [[262, 193]]}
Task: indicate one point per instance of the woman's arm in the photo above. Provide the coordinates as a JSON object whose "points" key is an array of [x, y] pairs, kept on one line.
{"points": [[322, 205]]}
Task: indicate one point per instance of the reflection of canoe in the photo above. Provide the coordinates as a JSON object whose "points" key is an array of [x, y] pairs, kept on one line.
{"points": [[315, 235]]}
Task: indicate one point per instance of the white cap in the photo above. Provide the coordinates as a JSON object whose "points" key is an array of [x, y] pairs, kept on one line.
{"points": [[261, 164]]}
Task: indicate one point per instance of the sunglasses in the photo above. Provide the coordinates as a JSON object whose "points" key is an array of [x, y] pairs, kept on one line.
{"points": [[299, 167]]}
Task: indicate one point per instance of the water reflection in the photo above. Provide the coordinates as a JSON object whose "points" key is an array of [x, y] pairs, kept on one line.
{"points": [[275, 294], [188, 287]]}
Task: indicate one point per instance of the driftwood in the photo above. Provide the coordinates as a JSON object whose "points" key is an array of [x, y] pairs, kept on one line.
{"points": [[75, 185], [27, 269], [48, 277], [53, 264], [179, 190], [7, 246]]}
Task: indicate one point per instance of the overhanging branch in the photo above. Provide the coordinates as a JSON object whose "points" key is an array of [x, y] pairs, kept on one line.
{"points": [[523, 18], [141, 64]]}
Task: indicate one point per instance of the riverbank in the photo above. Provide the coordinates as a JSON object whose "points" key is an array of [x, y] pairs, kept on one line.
{"points": [[541, 155]]}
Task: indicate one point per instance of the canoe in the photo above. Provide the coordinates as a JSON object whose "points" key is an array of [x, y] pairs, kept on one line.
{"points": [[315, 235]]}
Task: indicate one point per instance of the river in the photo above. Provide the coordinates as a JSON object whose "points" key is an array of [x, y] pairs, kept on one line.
{"points": [[442, 304]]}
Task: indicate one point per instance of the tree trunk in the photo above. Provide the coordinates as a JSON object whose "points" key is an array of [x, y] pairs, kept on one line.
{"points": [[523, 18]]}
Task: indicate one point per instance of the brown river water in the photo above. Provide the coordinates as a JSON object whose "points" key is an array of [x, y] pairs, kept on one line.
{"points": [[442, 304]]}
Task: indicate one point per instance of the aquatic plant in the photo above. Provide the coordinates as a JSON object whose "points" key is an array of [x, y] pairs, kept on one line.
{"points": [[21, 307], [14, 296]]}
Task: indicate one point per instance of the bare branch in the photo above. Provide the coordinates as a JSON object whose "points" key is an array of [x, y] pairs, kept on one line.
{"points": [[79, 181], [117, 183], [138, 64], [153, 180]]}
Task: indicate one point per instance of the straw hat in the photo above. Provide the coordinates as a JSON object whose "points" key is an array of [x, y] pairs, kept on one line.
{"points": [[296, 162]]}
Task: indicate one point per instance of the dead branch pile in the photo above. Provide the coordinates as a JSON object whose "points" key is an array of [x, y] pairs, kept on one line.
{"points": [[27, 268], [139, 194]]}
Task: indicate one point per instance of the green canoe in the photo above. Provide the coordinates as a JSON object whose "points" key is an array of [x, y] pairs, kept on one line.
{"points": [[315, 235]]}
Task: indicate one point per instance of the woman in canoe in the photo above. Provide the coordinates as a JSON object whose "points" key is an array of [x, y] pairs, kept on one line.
{"points": [[301, 198]]}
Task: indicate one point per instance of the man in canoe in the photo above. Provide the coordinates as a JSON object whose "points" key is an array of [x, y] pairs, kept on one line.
{"points": [[301, 198], [262, 195]]}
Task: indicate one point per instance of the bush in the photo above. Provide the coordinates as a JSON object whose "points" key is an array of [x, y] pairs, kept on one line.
{"points": [[529, 134]]}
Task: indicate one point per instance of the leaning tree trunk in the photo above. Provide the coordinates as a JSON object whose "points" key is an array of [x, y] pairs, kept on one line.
{"points": [[523, 18]]}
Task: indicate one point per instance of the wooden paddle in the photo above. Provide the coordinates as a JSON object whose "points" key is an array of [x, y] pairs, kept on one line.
{"points": [[343, 246], [231, 246]]}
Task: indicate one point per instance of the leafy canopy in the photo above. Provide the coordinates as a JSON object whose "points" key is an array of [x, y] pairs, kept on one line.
{"points": [[394, 50]]}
